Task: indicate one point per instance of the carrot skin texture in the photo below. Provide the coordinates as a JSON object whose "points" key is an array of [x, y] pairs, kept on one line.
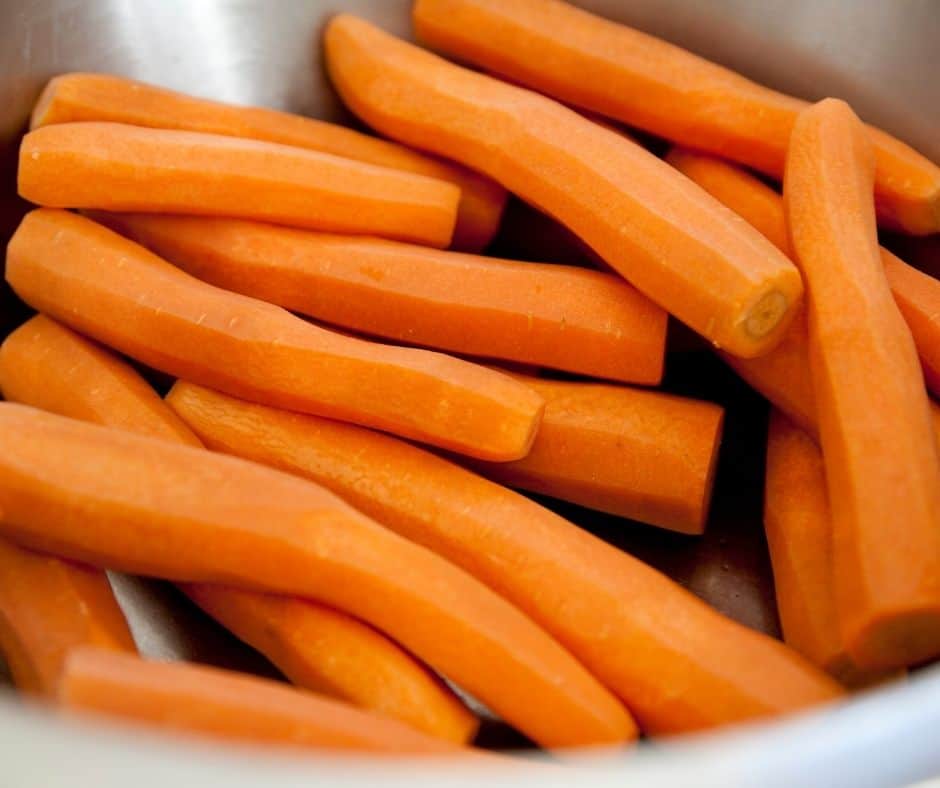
{"points": [[665, 235], [648, 83], [639, 454], [48, 607], [549, 315], [113, 290], [330, 653], [881, 459], [798, 524], [117, 167], [778, 374], [78, 97], [690, 667], [223, 704], [45, 365], [150, 507]]}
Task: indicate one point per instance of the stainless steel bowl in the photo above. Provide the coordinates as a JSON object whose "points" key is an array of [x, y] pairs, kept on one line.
{"points": [[882, 57]]}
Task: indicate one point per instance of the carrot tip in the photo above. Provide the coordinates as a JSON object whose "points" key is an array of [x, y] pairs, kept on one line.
{"points": [[766, 314]]}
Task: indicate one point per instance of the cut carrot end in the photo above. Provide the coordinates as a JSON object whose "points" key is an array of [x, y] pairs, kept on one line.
{"points": [[766, 314], [900, 638]]}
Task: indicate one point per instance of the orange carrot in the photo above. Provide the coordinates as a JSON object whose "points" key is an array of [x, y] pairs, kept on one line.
{"points": [[45, 365], [71, 98], [668, 237], [916, 294], [48, 366], [330, 653], [639, 454], [48, 608], [688, 667], [549, 315], [113, 290], [882, 462], [648, 83], [128, 168], [145, 506], [799, 534], [223, 704]]}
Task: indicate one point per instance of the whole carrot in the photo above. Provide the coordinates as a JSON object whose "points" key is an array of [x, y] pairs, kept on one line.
{"points": [[118, 167], [666, 236], [46, 365], [150, 507], [917, 294], [48, 607], [78, 97], [115, 291], [689, 667], [881, 459], [648, 83], [223, 704], [549, 315]]}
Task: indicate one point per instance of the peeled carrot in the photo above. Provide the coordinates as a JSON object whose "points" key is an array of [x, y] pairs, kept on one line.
{"points": [[640, 454], [228, 705], [648, 83], [916, 294], [881, 459], [150, 507], [49, 607], [128, 168], [550, 315], [798, 524], [46, 365], [77, 97], [113, 290], [678, 664], [669, 238]]}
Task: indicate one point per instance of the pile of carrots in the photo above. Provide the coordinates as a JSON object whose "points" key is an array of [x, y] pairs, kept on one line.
{"points": [[338, 502]]}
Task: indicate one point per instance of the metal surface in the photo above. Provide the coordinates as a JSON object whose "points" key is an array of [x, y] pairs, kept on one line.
{"points": [[881, 56]]}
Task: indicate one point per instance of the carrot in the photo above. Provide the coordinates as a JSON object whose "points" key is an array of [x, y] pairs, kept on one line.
{"points": [[149, 507], [77, 97], [48, 366], [688, 667], [128, 168], [882, 463], [798, 524], [330, 653], [916, 294], [48, 608], [640, 454], [224, 704], [45, 365], [113, 290], [549, 315], [670, 239], [648, 83]]}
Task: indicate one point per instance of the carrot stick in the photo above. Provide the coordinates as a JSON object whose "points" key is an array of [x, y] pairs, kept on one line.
{"points": [[128, 168], [46, 365], [77, 97], [639, 454], [666, 236], [149, 507], [916, 294], [688, 667], [798, 524], [648, 83], [224, 704], [881, 459], [48, 608], [330, 653], [549, 315], [113, 290]]}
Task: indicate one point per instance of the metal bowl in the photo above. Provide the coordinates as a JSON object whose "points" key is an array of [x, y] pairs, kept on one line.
{"points": [[880, 56]]}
